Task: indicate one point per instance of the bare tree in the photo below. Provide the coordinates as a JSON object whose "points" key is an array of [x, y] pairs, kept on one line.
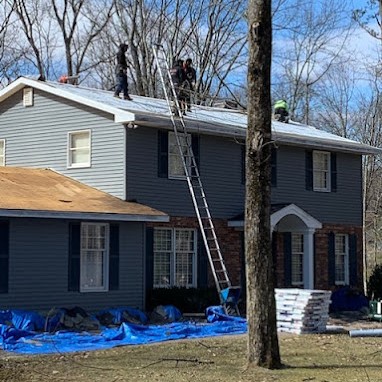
{"points": [[368, 15], [263, 347]]}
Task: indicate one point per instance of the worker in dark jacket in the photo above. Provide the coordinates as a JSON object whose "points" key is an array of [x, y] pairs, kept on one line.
{"points": [[281, 110], [121, 73], [190, 81], [178, 78]]}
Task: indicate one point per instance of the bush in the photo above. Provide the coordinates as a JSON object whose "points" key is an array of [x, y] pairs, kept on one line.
{"points": [[374, 285]]}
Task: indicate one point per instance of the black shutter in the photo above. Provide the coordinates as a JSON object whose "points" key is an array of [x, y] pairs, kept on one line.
{"points": [[74, 256], [243, 278], [333, 172], [243, 164], [309, 170], [163, 154], [274, 257], [195, 142], [331, 259], [149, 258], [202, 263], [287, 259], [353, 260], [273, 167], [114, 257], [4, 256]]}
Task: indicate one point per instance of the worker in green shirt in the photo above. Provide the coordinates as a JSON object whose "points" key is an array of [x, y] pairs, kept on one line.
{"points": [[281, 111]]}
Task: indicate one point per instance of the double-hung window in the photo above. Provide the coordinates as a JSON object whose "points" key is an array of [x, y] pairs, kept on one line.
{"points": [[2, 152], [175, 165], [341, 259], [79, 149], [94, 257], [321, 171], [175, 257], [297, 259]]}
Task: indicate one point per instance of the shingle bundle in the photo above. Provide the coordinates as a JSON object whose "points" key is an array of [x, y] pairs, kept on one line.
{"points": [[302, 310]]}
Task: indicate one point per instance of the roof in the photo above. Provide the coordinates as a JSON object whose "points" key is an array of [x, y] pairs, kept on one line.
{"points": [[28, 192], [154, 112]]}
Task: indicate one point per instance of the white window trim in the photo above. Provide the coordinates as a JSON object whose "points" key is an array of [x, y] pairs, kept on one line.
{"points": [[69, 150], [346, 262], [328, 186], [170, 176], [173, 259], [2, 155], [105, 288]]}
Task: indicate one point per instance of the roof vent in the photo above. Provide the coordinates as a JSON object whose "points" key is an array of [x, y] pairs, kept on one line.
{"points": [[28, 96]]}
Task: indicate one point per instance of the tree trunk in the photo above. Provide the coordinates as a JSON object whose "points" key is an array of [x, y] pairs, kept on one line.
{"points": [[263, 347]]}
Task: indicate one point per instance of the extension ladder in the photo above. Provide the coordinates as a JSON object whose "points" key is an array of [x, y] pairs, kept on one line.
{"points": [[228, 294]]}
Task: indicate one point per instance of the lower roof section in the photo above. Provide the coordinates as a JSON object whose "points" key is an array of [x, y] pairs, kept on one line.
{"points": [[43, 193]]}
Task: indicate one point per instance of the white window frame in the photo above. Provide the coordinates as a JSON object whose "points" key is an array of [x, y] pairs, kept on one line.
{"points": [[317, 171], [70, 163], [2, 153], [344, 254], [173, 256], [105, 261], [296, 255], [173, 154]]}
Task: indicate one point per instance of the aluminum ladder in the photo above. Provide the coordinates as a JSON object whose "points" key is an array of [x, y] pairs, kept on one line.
{"points": [[228, 294]]}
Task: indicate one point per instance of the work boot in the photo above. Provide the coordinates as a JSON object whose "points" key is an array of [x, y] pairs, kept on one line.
{"points": [[116, 96], [127, 97]]}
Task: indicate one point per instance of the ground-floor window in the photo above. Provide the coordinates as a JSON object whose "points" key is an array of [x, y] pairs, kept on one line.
{"points": [[342, 259], [94, 257], [297, 259], [175, 257]]}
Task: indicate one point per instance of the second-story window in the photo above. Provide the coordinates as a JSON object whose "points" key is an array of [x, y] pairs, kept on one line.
{"points": [[2, 152], [79, 149], [321, 171], [175, 165]]}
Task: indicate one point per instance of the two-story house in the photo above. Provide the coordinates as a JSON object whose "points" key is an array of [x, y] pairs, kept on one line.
{"points": [[127, 149]]}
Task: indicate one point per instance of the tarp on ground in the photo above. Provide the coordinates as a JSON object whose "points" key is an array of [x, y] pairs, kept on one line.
{"points": [[30, 342]]}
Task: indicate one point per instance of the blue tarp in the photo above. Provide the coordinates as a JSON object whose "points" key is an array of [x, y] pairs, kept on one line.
{"points": [[24, 341]]}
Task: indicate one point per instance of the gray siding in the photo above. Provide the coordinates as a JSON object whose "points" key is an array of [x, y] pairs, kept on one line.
{"points": [[341, 207], [37, 136], [220, 169], [38, 268]]}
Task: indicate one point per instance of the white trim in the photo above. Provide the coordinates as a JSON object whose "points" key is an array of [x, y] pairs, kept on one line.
{"points": [[69, 164], [28, 97], [106, 259], [2, 155]]}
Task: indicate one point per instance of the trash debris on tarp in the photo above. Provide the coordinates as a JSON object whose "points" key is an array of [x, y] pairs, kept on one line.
{"points": [[25, 332]]}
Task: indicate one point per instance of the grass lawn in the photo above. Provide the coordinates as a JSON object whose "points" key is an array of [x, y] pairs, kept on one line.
{"points": [[318, 358]]}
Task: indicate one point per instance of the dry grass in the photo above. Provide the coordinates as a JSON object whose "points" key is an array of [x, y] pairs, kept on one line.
{"points": [[319, 358]]}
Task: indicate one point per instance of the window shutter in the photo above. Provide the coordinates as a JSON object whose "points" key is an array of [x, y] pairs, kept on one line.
{"points": [[114, 257], [309, 170], [353, 260], [162, 154], [4, 256], [243, 164], [149, 258], [195, 143], [243, 278], [273, 167], [287, 259], [74, 257], [331, 259], [333, 172], [274, 257], [202, 281]]}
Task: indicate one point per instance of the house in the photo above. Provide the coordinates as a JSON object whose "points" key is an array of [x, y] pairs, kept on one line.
{"points": [[128, 150], [64, 244]]}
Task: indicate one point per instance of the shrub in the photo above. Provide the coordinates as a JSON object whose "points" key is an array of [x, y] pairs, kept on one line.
{"points": [[374, 285]]}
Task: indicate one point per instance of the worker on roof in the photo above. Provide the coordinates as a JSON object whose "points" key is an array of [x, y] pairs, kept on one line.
{"points": [[121, 73], [281, 111], [190, 81], [177, 78]]}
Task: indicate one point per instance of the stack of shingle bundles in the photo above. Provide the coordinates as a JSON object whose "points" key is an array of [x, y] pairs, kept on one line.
{"points": [[302, 310]]}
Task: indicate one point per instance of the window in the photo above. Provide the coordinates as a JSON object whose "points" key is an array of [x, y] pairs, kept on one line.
{"points": [[174, 257], [341, 259], [94, 257], [297, 259], [79, 149], [2, 152], [321, 171], [175, 165]]}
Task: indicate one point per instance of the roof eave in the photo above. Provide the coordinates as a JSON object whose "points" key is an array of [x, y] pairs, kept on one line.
{"points": [[83, 215]]}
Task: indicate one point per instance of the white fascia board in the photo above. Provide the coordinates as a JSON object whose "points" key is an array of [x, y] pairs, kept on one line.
{"points": [[120, 116], [82, 215]]}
